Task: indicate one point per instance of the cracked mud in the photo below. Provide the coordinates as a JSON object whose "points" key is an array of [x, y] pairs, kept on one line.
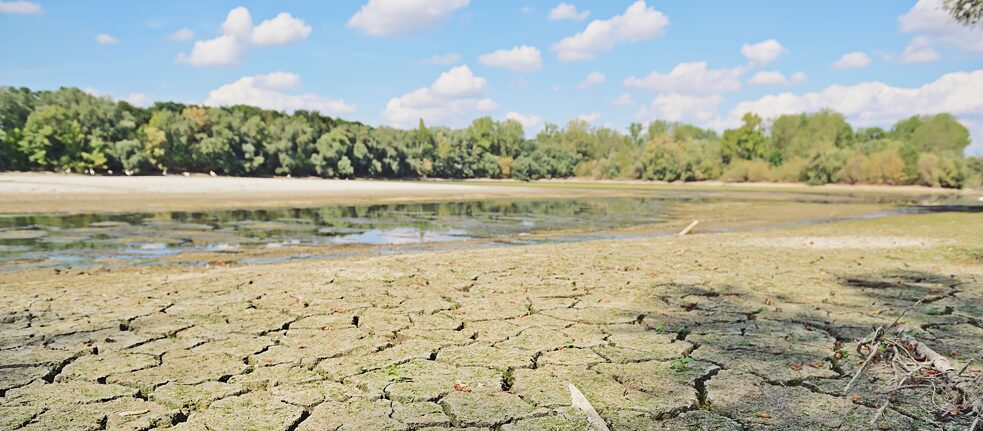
{"points": [[736, 331]]}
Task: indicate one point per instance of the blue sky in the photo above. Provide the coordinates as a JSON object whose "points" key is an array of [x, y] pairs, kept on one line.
{"points": [[392, 61]]}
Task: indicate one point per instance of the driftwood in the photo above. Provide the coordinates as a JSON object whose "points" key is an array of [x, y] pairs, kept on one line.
{"points": [[968, 395], [593, 418]]}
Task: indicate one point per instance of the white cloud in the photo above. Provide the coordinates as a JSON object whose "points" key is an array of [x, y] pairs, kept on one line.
{"points": [[105, 39], [762, 53], [623, 100], [681, 107], [853, 60], [452, 99], [768, 77], [876, 103], [137, 99], [182, 35], [20, 8], [269, 92], [458, 82], [690, 78], [531, 123], [928, 19], [402, 17], [799, 77], [589, 118], [222, 51], [238, 33], [443, 60], [592, 79], [564, 11], [638, 22], [919, 50], [520, 59], [280, 30], [526, 10]]}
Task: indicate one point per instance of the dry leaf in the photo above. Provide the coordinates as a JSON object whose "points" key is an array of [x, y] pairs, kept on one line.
{"points": [[763, 415]]}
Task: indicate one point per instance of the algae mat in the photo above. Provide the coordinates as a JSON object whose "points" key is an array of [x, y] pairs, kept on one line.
{"points": [[723, 331]]}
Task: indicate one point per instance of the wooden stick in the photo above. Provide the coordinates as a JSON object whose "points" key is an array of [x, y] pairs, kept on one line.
{"points": [[689, 228], [593, 418]]}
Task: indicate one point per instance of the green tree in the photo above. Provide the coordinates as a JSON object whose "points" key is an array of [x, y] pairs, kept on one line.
{"points": [[746, 142]]}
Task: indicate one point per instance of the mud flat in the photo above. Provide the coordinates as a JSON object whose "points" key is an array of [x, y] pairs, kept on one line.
{"points": [[714, 331]]}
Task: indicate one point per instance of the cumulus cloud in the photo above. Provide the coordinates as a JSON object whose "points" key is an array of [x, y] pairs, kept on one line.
{"points": [[239, 33], [768, 77], [692, 78], [182, 35], [531, 123], [638, 22], [927, 19], [592, 79], [876, 103], [105, 39], [520, 59], [443, 60], [762, 53], [564, 11], [623, 100], [853, 60], [402, 17], [919, 50], [452, 99], [272, 91], [20, 8], [681, 107], [282, 29]]}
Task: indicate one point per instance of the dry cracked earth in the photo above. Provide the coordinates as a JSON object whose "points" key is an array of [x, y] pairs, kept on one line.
{"points": [[739, 331]]}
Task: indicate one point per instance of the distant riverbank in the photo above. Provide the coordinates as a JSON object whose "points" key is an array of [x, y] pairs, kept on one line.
{"points": [[48, 192]]}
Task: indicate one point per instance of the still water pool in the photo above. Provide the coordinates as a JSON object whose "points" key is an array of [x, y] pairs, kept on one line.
{"points": [[36, 240]]}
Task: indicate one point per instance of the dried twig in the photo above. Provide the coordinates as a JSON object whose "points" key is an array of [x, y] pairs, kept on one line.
{"points": [[880, 412], [878, 335]]}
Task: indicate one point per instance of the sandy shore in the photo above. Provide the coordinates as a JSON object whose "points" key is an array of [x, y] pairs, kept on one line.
{"points": [[38, 192], [47, 192]]}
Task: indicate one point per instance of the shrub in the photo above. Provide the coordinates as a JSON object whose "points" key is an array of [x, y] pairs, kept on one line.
{"points": [[941, 171], [824, 166], [747, 171]]}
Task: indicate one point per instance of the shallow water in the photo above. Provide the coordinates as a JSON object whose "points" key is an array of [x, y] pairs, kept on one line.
{"points": [[36, 240]]}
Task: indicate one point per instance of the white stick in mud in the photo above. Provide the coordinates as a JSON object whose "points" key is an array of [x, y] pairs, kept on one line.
{"points": [[580, 401], [689, 228]]}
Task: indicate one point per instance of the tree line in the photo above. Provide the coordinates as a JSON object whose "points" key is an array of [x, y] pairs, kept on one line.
{"points": [[71, 130]]}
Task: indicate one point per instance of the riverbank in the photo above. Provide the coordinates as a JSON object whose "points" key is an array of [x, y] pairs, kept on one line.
{"points": [[46, 192]]}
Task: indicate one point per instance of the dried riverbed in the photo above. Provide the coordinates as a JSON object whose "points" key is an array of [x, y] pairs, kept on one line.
{"points": [[711, 331]]}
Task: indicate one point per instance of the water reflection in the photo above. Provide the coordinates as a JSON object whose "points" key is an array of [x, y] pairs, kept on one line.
{"points": [[141, 238]]}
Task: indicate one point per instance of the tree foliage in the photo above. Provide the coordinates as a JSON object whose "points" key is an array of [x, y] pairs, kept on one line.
{"points": [[70, 130]]}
